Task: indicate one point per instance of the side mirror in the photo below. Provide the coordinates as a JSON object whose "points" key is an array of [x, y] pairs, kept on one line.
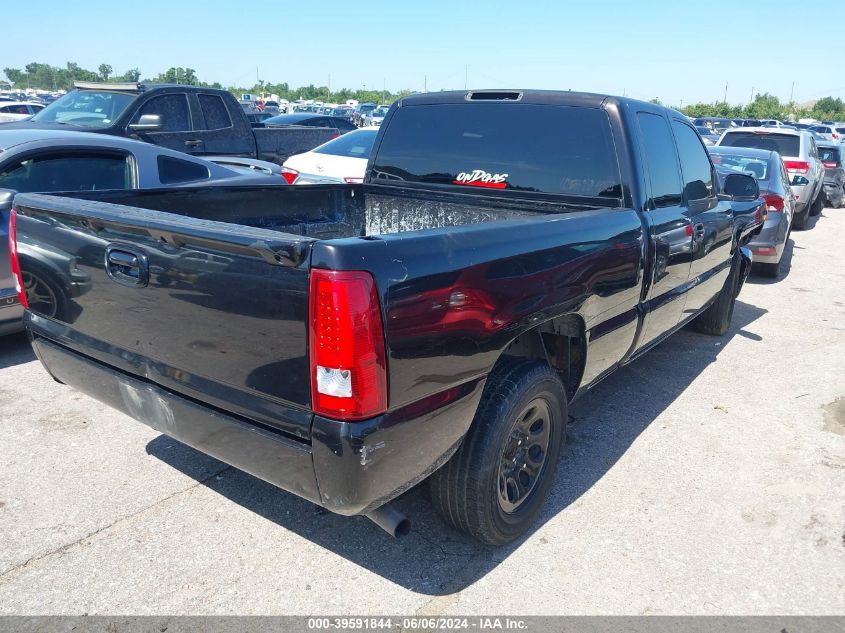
{"points": [[147, 123], [741, 187]]}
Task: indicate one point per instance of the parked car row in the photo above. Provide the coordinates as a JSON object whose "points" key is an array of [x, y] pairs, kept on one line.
{"points": [[796, 173]]}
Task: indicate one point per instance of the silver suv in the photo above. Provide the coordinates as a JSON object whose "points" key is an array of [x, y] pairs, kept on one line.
{"points": [[833, 132], [800, 157]]}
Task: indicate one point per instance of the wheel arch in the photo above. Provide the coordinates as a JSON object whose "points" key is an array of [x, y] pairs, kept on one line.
{"points": [[560, 342]]}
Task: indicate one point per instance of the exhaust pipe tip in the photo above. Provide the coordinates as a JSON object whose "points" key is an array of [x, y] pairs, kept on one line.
{"points": [[390, 520]]}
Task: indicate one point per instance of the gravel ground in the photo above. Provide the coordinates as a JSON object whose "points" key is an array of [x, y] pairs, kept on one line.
{"points": [[706, 478]]}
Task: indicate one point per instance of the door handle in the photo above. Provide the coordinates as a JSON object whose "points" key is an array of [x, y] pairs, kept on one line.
{"points": [[698, 232], [127, 266], [193, 143]]}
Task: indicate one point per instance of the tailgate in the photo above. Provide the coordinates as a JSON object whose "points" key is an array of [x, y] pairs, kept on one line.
{"points": [[212, 310]]}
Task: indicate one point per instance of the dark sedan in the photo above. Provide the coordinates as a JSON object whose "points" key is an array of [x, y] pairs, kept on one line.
{"points": [[310, 119], [767, 167], [831, 155], [58, 160]]}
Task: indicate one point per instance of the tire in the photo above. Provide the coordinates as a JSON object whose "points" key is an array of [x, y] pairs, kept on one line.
{"points": [[770, 270], [716, 319], [480, 490], [800, 221], [817, 206], [44, 294]]}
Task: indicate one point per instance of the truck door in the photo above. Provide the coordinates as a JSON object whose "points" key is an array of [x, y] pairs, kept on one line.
{"points": [[670, 231], [178, 129], [712, 220]]}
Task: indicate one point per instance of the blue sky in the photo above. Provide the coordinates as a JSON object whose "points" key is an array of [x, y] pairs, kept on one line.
{"points": [[676, 51]]}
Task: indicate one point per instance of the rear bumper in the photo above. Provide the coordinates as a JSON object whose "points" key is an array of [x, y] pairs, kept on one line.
{"points": [[768, 246], [11, 314], [349, 468]]}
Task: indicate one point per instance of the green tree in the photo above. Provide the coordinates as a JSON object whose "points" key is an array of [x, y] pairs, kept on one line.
{"points": [[765, 106], [105, 71]]}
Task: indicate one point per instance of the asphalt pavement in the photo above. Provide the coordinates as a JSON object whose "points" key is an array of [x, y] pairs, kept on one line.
{"points": [[705, 478]]}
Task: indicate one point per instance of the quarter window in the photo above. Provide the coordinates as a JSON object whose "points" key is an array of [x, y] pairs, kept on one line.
{"points": [[172, 170]]}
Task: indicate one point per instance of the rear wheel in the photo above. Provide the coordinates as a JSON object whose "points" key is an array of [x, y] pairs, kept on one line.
{"points": [[800, 221], [43, 294], [770, 270], [495, 485], [817, 206], [716, 319]]}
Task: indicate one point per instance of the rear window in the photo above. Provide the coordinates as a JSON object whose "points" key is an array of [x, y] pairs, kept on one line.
{"points": [[830, 155], [731, 163], [518, 148], [783, 144], [353, 145]]}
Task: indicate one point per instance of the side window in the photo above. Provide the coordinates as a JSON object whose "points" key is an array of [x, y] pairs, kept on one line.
{"points": [[695, 164], [661, 161], [215, 113], [16, 109], [172, 170], [173, 110], [63, 172]]}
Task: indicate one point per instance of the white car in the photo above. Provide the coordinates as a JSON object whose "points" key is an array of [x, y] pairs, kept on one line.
{"points": [[18, 110], [343, 159]]}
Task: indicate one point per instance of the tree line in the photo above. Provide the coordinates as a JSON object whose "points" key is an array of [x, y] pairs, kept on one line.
{"points": [[47, 77], [767, 106]]}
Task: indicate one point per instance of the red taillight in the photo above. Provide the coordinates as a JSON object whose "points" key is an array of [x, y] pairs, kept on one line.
{"points": [[290, 175], [834, 135], [353, 181], [800, 166], [829, 165], [763, 250], [348, 375], [773, 202], [13, 253]]}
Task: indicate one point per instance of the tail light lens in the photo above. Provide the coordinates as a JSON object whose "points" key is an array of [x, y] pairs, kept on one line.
{"points": [[348, 370], [802, 167], [829, 165], [15, 260], [290, 175], [773, 202]]}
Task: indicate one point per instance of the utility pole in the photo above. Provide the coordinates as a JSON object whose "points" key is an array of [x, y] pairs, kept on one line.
{"points": [[257, 80], [725, 100], [466, 75], [751, 98], [425, 83], [791, 91], [383, 90]]}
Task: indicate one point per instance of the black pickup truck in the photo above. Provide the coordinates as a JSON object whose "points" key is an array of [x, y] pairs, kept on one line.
{"points": [[506, 252], [191, 119]]}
